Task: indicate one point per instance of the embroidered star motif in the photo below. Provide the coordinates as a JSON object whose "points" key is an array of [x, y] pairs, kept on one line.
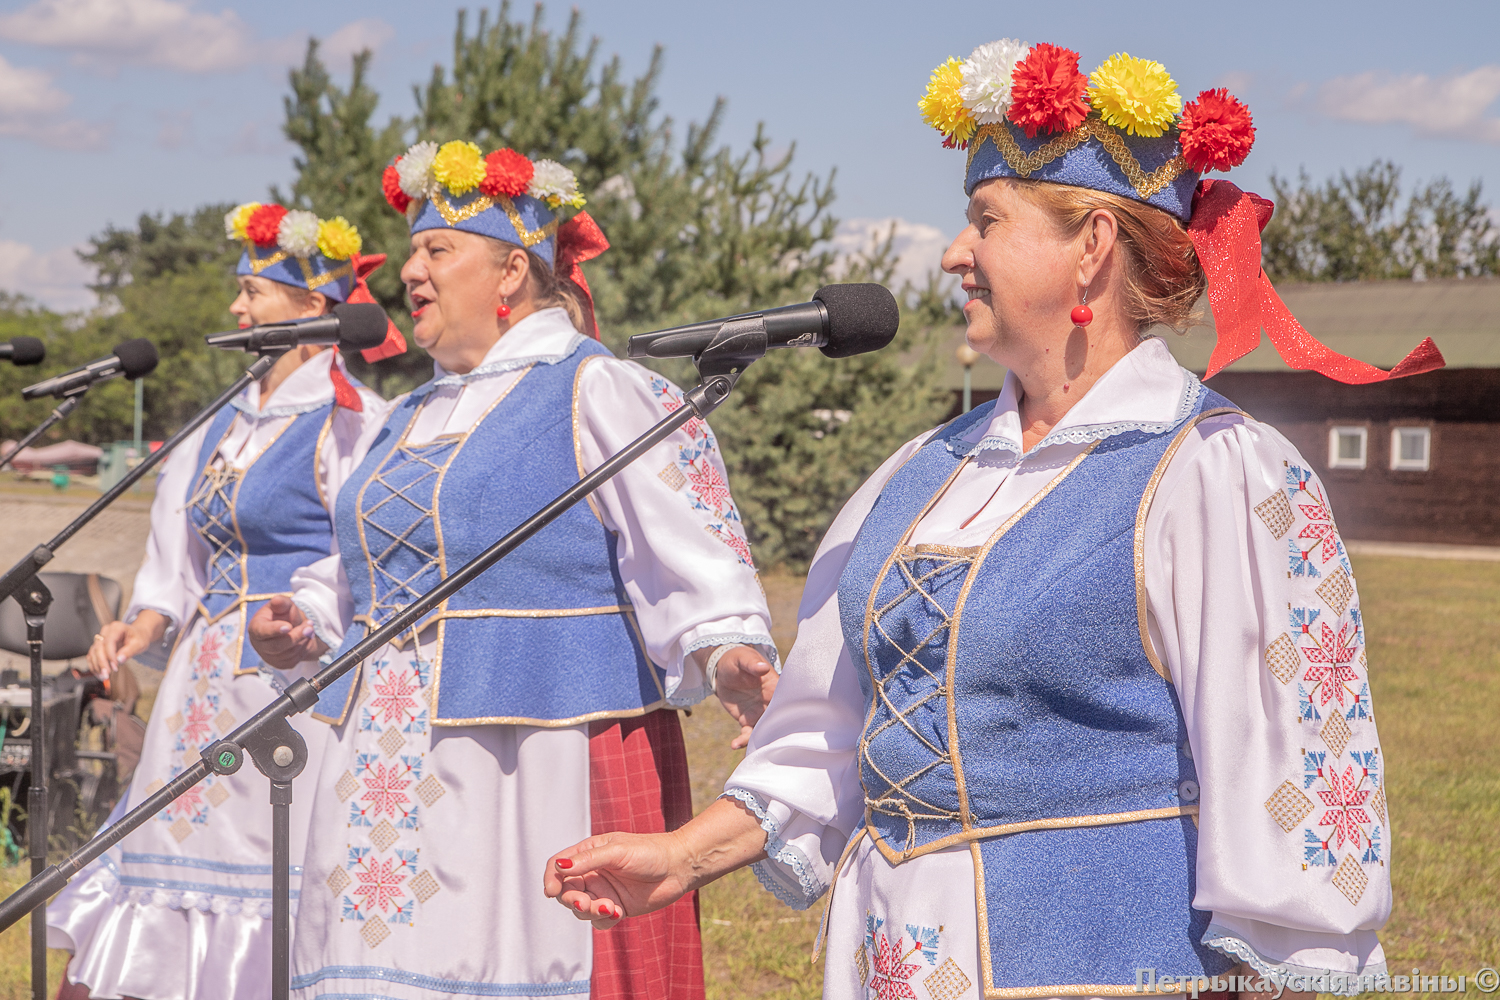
{"points": [[380, 883], [708, 484], [386, 787], [195, 728], [1346, 806], [892, 972], [1329, 663], [394, 696]]}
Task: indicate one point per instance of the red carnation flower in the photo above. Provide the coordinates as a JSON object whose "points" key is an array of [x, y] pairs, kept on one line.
{"points": [[1047, 91], [390, 186], [1215, 131], [506, 172], [263, 225]]}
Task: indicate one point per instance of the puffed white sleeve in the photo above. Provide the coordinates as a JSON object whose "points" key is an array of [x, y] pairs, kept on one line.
{"points": [[320, 590], [170, 580], [681, 545], [1254, 609], [800, 775]]}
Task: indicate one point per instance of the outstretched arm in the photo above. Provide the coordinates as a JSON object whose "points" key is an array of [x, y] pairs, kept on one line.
{"points": [[605, 878]]}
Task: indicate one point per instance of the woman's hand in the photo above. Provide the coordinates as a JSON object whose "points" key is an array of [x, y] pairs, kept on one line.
{"points": [[283, 636], [744, 681], [606, 878], [118, 642]]}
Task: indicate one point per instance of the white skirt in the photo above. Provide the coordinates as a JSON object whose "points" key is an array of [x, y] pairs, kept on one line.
{"points": [[181, 909], [424, 869]]}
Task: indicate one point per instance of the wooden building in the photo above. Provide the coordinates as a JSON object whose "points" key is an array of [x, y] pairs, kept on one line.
{"points": [[1409, 460]]}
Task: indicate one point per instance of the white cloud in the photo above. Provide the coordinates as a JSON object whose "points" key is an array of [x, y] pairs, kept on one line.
{"points": [[366, 33], [1456, 106], [919, 247], [55, 278], [1236, 81], [160, 33], [168, 34], [31, 108]]}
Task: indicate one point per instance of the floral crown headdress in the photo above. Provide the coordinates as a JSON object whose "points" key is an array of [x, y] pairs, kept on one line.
{"points": [[505, 196], [295, 247], [1027, 112]]}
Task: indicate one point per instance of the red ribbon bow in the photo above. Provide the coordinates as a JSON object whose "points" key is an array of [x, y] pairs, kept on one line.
{"points": [[394, 343], [1225, 230], [580, 239]]}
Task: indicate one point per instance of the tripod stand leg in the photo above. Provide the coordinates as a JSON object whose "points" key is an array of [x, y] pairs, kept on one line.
{"points": [[35, 598], [281, 915]]}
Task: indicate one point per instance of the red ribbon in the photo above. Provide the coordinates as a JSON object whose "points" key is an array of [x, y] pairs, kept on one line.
{"points": [[394, 343], [1225, 230], [580, 239]]}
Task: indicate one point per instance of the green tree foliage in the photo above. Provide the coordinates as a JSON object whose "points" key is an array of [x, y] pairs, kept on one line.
{"points": [[696, 230], [1358, 228]]}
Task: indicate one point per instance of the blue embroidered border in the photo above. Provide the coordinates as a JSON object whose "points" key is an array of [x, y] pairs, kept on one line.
{"points": [[573, 987]]}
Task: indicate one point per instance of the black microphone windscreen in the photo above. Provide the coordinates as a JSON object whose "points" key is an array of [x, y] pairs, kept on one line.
{"points": [[137, 357], [862, 317], [27, 351], [362, 325]]}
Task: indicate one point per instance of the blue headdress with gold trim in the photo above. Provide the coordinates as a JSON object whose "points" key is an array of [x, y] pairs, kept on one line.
{"points": [[296, 248]]}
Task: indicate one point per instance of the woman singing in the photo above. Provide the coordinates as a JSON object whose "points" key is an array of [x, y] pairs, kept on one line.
{"points": [[1078, 704], [539, 703], [181, 909]]}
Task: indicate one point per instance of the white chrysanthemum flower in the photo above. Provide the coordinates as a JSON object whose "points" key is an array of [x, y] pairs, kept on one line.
{"points": [[415, 170], [298, 233], [553, 183], [229, 218], [986, 79]]}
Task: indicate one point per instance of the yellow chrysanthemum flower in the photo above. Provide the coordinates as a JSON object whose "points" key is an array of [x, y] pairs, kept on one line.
{"points": [[337, 239], [1137, 95], [241, 218], [458, 166], [943, 108]]}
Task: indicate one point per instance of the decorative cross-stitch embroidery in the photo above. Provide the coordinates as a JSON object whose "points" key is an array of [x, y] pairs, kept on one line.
{"points": [[381, 883], [1341, 817], [883, 964], [1319, 535], [200, 721], [707, 490]]}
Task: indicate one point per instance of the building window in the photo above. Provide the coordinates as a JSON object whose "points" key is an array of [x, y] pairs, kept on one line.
{"points": [[1346, 447], [1411, 448]]}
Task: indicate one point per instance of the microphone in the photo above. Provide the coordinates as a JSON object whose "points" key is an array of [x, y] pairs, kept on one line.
{"points": [[132, 359], [23, 351], [354, 326], [841, 321]]}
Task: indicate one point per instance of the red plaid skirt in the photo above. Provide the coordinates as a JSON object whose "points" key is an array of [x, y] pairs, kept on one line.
{"points": [[638, 782]]}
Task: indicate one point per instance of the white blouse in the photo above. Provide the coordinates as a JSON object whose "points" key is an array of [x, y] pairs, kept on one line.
{"points": [[172, 578], [1252, 607], [681, 548]]}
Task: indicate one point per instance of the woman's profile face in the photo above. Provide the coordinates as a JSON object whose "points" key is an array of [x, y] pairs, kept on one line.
{"points": [[262, 300], [1018, 272], [453, 282]]}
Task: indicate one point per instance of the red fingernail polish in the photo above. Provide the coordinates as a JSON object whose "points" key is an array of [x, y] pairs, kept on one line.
{"points": [[565, 863], [619, 913], [578, 904]]}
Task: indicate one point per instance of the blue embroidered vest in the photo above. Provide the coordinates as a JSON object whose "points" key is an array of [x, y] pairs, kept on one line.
{"points": [[1014, 706], [261, 523], [546, 637]]}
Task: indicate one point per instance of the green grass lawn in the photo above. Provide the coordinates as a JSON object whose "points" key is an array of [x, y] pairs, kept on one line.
{"points": [[1433, 629]]}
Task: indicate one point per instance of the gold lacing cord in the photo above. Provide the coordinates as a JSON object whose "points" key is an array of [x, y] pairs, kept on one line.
{"points": [[1147, 185], [216, 482], [382, 605]]}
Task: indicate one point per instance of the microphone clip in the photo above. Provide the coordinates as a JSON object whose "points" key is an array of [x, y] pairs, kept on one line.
{"points": [[738, 343]]}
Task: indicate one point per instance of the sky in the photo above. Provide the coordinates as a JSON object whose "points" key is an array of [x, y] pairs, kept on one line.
{"points": [[112, 108]]}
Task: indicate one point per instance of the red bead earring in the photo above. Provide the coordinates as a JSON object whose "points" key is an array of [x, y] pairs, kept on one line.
{"points": [[503, 309], [1082, 315]]}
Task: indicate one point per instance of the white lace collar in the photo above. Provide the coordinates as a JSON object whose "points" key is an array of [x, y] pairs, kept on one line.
{"points": [[1146, 390], [304, 390], [545, 337]]}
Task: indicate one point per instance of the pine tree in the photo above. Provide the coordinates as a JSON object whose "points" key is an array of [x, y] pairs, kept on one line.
{"points": [[696, 230]]}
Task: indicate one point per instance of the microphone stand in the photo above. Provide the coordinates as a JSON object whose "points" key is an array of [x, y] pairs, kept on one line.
{"points": [[67, 406], [279, 752], [22, 582]]}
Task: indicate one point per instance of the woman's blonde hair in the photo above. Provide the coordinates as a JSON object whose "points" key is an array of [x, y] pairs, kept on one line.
{"points": [[1162, 280], [547, 289]]}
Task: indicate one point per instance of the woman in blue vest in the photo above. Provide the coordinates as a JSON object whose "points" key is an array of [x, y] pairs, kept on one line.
{"points": [[537, 704], [1078, 704], [181, 909]]}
